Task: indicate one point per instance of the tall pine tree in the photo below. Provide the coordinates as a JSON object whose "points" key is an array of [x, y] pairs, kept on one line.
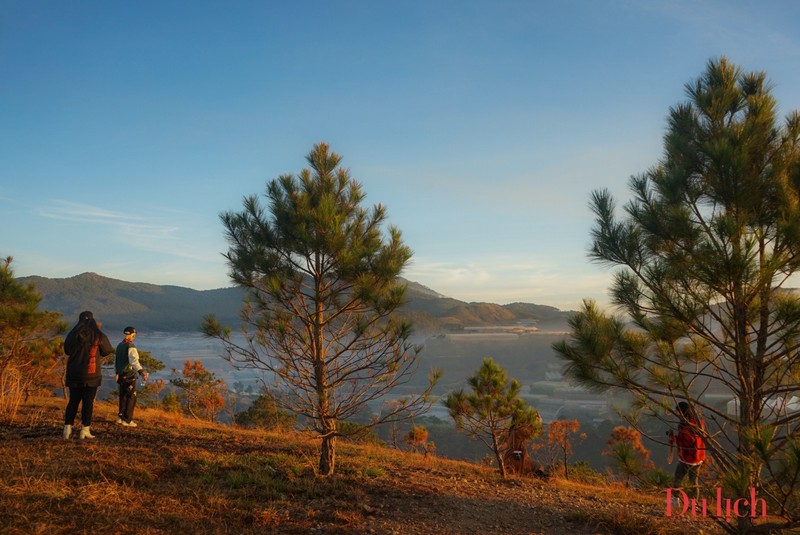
{"points": [[703, 253]]}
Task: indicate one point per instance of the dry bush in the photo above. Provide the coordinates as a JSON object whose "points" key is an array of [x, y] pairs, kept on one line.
{"points": [[12, 392]]}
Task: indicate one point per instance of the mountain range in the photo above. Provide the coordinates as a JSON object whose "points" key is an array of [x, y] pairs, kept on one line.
{"points": [[118, 303]]}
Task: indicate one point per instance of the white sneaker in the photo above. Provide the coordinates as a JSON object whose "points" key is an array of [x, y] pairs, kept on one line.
{"points": [[86, 433], [130, 424], [67, 432], [119, 421]]}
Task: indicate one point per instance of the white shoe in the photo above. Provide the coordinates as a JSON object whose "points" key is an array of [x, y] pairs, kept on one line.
{"points": [[130, 424], [119, 421], [67, 432], [86, 432]]}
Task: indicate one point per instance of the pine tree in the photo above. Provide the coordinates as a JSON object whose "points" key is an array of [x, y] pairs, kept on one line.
{"points": [[491, 409], [706, 246], [265, 413], [323, 285], [200, 390], [627, 453], [29, 343]]}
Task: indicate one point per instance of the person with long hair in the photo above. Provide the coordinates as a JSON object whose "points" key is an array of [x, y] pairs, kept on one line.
{"points": [[84, 346]]}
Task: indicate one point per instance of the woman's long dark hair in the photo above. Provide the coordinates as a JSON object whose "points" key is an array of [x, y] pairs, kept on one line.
{"points": [[687, 412], [86, 330]]}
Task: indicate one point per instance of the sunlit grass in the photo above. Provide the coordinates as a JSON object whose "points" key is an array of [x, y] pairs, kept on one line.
{"points": [[174, 475]]}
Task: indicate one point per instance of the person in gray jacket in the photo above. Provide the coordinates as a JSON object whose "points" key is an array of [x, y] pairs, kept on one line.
{"points": [[127, 366]]}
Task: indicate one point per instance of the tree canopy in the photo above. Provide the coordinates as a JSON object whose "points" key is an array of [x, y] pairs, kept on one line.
{"points": [[704, 251]]}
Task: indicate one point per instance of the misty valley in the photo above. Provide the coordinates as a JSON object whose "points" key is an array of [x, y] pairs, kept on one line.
{"points": [[527, 356]]}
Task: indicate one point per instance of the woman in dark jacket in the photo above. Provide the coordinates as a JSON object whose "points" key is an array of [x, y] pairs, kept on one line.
{"points": [[85, 345]]}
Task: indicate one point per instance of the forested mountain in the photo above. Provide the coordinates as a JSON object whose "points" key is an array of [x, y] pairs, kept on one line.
{"points": [[119, 303]]}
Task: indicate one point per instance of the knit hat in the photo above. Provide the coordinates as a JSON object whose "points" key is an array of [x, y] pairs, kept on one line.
{"points": [[85, 316], [129, 330]]}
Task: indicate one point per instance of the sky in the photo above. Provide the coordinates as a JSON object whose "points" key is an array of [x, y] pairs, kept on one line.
{"points": [[126, 128]]}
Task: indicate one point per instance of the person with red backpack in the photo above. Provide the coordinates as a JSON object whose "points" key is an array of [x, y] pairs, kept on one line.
{"points": [[690, 444], [84, 346]]}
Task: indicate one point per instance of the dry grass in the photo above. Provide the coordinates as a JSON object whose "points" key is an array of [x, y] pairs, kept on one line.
{"points": [[173, 475], [11, 394]]}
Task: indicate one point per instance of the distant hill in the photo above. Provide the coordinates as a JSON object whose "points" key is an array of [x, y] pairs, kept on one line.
{"points": [[152, 307]]}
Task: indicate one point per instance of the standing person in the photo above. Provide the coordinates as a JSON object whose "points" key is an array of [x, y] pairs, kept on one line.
{"points": [[126, 365], [85, 345], [690, 444]]}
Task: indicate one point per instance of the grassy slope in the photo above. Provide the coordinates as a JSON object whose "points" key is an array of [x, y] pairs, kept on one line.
{"points": [[173, 475]]}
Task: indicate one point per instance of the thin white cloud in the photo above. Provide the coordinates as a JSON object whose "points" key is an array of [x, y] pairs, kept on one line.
{"points": [[82, 213], [145, 231]]}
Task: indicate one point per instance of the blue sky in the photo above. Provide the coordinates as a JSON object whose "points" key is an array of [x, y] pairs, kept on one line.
{"points": [[127, 127]]}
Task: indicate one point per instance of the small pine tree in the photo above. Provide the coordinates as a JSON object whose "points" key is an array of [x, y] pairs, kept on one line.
{"points": [[200, 390], [417, 439], [264, 413], [171, 402], [492, 409], [561, 435], [323, 286], [628, 455]]}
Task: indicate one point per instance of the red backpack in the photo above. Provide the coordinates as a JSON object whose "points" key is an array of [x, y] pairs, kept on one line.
{"points": [[691, 446], [92, 367]]}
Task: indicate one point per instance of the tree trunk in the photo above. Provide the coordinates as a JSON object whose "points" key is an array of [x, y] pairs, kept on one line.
{"points": [[327, 456], [499, 456]]}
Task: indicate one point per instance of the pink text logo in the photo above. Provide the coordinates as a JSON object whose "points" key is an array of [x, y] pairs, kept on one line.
{"points": [[678, 504]]}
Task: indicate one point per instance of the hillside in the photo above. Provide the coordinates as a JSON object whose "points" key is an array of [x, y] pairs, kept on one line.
{"points": [[175, 309], [147, 306], [172, 475]]}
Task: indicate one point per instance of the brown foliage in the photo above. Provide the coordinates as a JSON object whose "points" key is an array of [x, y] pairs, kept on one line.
{"points": [[561, 434], [201, 393], [628, 454]]}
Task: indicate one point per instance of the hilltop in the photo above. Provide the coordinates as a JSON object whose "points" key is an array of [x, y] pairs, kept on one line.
{"points": [[176, 309], [174, 475]]}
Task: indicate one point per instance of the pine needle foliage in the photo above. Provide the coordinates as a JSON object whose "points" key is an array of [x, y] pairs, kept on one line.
{"points": [[322, 281], [702, 254]]}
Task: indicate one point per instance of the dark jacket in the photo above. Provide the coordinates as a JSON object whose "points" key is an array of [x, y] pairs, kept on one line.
{"points": [[127, 358], [83, 364]]}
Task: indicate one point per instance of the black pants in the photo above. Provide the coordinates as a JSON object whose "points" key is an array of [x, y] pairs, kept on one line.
{"points": [[127, 399], [691, 470], [77, 395]]}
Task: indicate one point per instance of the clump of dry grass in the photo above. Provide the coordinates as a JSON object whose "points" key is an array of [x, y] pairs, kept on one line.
{"points": [[11, 394]]}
